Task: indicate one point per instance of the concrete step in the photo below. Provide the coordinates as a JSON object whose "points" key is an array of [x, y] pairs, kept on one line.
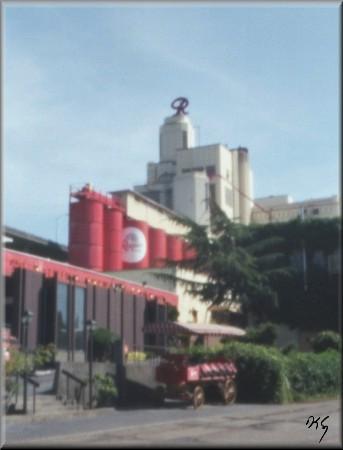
{"points": [[48, 404]]}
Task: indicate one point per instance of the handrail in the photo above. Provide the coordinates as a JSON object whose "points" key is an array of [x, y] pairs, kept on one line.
{"points": [[35, 384], [29, 379], [73, 377], [77, 380], [32, 381]]}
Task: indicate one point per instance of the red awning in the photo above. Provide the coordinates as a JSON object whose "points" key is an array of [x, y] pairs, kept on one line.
{"points": [[203, 329], [82, 277]]}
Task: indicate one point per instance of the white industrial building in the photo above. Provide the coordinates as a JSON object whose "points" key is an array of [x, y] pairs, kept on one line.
{"points": [[282, 208], [187, 176]]}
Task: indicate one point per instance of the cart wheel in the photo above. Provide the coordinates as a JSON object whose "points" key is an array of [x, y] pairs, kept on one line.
{"points": [[198, 397], [159, 396], [229, 392]]}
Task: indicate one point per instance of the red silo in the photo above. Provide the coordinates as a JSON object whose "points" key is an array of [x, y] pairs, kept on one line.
{"points": [[135, 244], [113, 250], [86, 234], [188, 252], [157, 247], [174, 248]]}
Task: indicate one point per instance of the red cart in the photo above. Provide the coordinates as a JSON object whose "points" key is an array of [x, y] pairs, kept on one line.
{"points": [[183, 379]]}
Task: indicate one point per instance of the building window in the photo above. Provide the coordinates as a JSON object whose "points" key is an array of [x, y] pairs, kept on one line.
{"points": [[315, 212], [62, 321], [154, 195], [79, 324], [334, 263], [212, 191], [211, 171], [169, 198]]}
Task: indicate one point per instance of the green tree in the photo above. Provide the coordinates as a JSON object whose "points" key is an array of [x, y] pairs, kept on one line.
{"points": [[309, 298], [238, 269]]}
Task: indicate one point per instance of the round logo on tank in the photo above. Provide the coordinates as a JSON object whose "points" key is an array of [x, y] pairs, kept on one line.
{"points": [[134, 245]]}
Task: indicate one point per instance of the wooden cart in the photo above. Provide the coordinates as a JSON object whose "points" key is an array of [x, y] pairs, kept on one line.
{"points": [[181, 378]]}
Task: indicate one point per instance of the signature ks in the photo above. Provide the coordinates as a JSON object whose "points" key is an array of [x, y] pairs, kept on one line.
{"points": [[311, 421]]}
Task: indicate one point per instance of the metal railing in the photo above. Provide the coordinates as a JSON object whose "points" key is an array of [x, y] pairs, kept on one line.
{"points": [[79, 391], [34, 385]]}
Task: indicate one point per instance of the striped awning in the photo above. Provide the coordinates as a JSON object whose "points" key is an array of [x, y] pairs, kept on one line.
{"points": [[201, 329]]}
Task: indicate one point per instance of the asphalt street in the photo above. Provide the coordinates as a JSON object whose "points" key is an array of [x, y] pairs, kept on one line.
{"points": [[178, 425]]}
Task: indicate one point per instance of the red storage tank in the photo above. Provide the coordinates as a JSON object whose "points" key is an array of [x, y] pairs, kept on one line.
{"points": [[188, 252], [157, 247], [113, 250], [88, 256], [174, 248], [86, 234], [135, 244]]}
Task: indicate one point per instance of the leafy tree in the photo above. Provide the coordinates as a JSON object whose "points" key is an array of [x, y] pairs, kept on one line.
{"points": [[308, 299], [238, 269], [263, 334]]}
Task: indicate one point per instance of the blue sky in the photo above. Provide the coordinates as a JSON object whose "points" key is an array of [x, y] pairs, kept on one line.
{"points": [[86, 88]]}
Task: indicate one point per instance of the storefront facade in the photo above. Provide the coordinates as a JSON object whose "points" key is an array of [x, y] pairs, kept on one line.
{"points": [[63, 297]]}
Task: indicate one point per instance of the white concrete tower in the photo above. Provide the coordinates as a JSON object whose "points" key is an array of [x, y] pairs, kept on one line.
{"points": [[177, 132], [243, 184]]}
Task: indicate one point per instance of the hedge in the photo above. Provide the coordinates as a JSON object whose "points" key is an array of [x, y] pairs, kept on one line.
{"points": [[326, 340], [265, 375], [314, 374]]}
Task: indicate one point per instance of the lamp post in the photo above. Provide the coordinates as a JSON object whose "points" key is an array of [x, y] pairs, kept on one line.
{"points": [[90, 324], [25, 320]]}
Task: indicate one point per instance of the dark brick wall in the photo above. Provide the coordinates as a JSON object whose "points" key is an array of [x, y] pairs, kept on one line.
{"points": [[32, 297], [101, 305]]}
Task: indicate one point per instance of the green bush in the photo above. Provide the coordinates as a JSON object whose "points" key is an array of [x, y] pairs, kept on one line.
{"points": [[313, 374], [326, 340], [261, 374], [44, 356], [106, 390], [263, 334], [288, 349], [103, 341], [18, 363]]}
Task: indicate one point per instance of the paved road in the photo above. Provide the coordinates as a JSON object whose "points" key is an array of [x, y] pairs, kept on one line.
{"points": [[174, 425]]}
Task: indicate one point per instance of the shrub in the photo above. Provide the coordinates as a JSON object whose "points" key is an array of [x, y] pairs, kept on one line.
{"points": [[288, 349], [326, 340], [263, 334], [313, 374], [17, 363], [44, 356], [103, 341], [261, 375], [106, 390]]}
